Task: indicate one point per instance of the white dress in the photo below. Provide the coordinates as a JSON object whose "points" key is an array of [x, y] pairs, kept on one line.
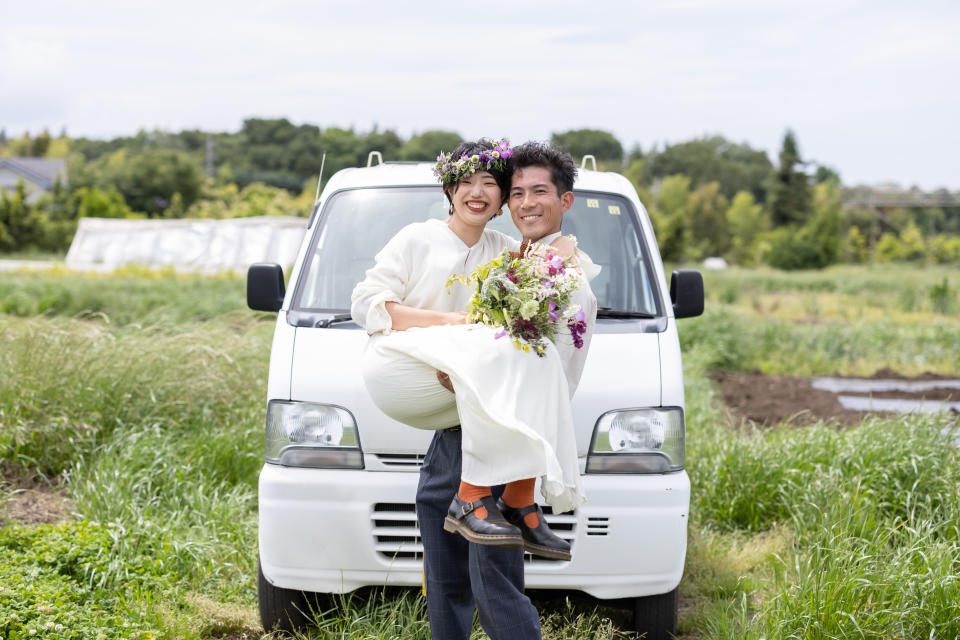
{"points": [[513, 407]]}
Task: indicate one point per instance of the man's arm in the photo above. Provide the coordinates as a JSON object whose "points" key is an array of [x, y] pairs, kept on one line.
{"points": [[571, 357]]}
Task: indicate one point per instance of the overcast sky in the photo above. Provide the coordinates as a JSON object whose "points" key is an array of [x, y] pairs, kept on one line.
{"points": [[870, 88]]}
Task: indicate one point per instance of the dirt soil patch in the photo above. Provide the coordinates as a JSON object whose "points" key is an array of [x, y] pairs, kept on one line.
{"points": [[30, 499], [771, 399]]}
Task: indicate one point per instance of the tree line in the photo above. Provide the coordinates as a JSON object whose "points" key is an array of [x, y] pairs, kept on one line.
{"points": [[706, 197]]}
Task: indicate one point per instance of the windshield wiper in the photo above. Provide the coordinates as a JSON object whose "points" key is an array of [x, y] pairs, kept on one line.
{"points": [[332, 319], [621, 313]]}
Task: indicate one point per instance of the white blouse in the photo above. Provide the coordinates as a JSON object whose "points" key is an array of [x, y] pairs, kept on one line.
{"points": [[414, 267]]}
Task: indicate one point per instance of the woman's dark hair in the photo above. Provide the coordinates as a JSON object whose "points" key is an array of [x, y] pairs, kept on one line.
{"points": [[502, 176], [563, 171]]}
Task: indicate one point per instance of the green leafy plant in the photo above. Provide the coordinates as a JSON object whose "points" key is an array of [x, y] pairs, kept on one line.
{"points": [[942, 297]]}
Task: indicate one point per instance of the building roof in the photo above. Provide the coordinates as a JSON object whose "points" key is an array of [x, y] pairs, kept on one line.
{"points": [[41, 171]]}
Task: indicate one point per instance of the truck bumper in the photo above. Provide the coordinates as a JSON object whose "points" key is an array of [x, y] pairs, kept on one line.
{"points": [[334, 531]]}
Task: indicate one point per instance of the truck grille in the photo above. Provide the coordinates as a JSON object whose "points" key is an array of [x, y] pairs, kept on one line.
{"points": [[400, 460], [396, 535], [598, 526], [395, 532]]}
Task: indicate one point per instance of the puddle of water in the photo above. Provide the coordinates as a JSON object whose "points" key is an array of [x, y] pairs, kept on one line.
{"points": [[861, 385], [864, 403]]}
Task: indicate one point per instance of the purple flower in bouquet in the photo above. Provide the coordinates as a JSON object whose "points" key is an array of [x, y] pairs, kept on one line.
{"points": [[578, 326], [552, 311]]}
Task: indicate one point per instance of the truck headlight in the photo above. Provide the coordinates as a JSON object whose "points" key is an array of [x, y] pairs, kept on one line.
{"points": [[307, 434], [638, 441]]}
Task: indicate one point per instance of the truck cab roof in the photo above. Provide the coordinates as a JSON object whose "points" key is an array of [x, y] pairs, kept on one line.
{"points": [[396, 174]]}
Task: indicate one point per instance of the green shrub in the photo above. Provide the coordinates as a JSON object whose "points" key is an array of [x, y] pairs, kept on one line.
{"points": [[855, 248], [911, 243], [746, 220], [942, 297], [19, 303], [945, 249], [96, 203], [889, 248], [812, 246]]}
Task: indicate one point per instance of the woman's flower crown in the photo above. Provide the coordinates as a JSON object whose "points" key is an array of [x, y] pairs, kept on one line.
{"points": [[449, 170]]}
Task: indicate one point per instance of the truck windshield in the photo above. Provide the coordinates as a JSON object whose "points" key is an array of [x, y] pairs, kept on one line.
{"points": [[355, 224]]}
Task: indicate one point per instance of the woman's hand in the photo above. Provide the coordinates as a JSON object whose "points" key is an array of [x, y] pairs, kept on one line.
{"points": [[445, 381], [456, 317]]}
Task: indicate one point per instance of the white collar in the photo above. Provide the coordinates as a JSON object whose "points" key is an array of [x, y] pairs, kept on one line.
{"points": [[550, 238]]}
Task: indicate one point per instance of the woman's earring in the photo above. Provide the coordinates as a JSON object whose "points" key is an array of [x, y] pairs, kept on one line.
{"points": [[451, 208], [499, 212]]}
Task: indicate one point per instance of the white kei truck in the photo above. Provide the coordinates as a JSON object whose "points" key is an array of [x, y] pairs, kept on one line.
{"points": [[337, 488]]}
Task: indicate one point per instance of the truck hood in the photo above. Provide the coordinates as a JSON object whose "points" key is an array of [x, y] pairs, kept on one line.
{"points": [[622, 370]]}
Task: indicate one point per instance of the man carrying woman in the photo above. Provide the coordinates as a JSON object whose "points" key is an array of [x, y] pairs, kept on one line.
{"points": [[515, 418]]}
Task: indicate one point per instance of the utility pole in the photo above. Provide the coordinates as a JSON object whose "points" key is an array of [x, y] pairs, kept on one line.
{"points": [[209, 156]]}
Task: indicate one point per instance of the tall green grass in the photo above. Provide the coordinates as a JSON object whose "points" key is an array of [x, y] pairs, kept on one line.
{"points": [[902, 468], [740, 343], [884, 280], [127, 296], [72, 384]]}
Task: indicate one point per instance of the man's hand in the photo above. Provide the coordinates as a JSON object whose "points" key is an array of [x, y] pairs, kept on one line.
{"points": [[445, 381], [566, 248], [403, 317], [563, 247]]}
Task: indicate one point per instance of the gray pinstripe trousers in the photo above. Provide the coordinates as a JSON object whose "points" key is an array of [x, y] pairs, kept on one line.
{"points": [[462, 576]]}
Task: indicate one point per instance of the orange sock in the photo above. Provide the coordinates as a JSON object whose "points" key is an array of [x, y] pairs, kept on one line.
{"points": [[471, 493], [519, 494]]}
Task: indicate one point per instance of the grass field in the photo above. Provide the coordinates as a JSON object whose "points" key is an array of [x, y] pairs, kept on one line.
{"points": [[140, 399]]}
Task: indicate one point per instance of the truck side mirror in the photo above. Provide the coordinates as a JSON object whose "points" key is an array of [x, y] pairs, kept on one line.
{"points": [[686, 293], [265, 289]]}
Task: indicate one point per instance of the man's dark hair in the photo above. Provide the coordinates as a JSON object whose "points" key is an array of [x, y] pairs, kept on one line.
{"points": [[502, 176], [563, 171]]}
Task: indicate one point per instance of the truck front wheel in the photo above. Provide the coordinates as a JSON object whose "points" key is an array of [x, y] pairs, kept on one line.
{"points": [[656, 616], [287, 610]]}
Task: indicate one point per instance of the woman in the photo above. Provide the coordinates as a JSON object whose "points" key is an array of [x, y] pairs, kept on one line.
{"points": [[513, 407]]}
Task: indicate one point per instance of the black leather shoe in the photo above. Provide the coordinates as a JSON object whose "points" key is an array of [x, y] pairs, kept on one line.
{"points": [[540, 541], [493, 530]]}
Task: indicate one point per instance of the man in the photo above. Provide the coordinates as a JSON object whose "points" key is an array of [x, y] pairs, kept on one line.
{"points": [[461, 576]]}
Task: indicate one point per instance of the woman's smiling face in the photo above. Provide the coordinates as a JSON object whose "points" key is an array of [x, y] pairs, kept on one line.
{"points": [[476, 199]]}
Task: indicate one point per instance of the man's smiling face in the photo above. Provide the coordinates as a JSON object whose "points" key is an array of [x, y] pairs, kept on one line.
{"points": [[535, 206]]}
